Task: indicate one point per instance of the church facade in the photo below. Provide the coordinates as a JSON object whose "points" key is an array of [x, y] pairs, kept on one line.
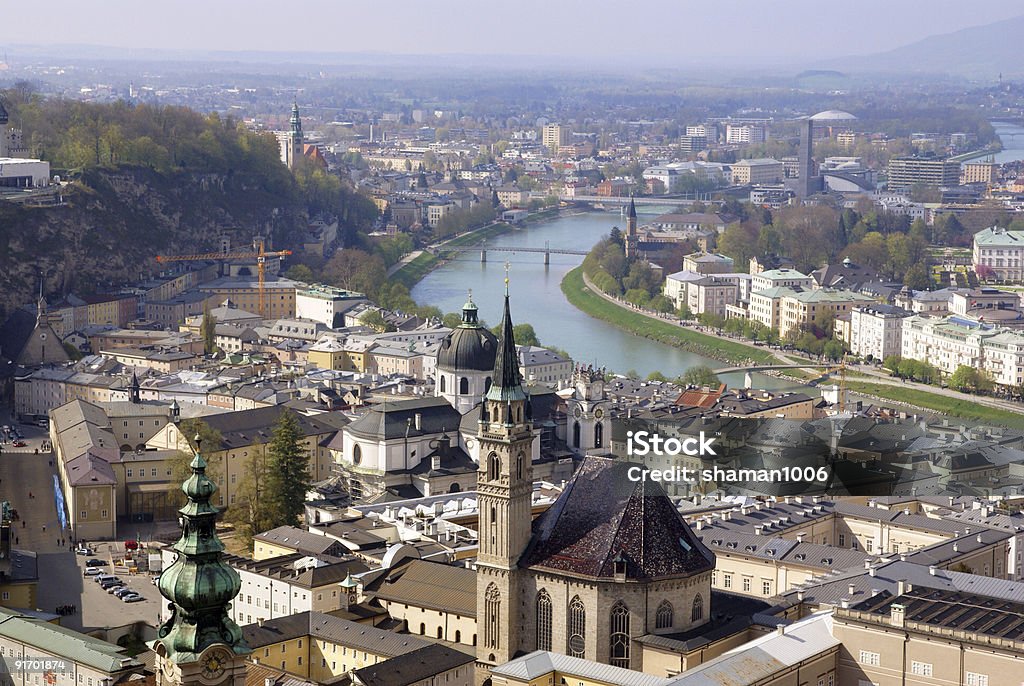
{"points": [[611, 561]]}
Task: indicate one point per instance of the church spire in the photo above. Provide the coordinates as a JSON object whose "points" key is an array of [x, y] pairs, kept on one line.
{"points": [[508, 383], [632, 208], [199, 585]]}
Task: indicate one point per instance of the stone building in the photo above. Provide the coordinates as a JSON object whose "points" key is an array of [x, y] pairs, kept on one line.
{"points": [[610, 562]]}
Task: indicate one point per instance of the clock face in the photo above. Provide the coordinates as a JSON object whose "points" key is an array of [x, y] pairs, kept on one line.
{"points": [[598, 413], [214, 664], [577, 412]]}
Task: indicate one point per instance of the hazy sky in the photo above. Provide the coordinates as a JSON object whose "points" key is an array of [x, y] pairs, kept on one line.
{"points": [[694, 29]]}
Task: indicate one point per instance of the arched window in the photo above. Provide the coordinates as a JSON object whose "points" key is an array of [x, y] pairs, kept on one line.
{"points": [[458, 636], [697, 613], [519, 466], [423, 629], [598, 435], [576, 644], [576, 434], [442, 383], [543, 620], [463, 386], [357, 454], [454, 488], [439, 634], [663, 617], [492, 616], [493, 467], [619, 636]]}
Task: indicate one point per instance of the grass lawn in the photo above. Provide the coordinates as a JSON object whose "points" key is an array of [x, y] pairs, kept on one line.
{"points": [[953, 407], [410, 273], [583, 299]]}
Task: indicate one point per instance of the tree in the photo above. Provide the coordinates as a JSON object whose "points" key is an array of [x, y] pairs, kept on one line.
{"points": [[522, 334], [251, 512], [289, 478], [356, 270], [208, 330], [656, 376], [969, 380], [700, 375], [833, 349], [300, 272], [918, 278]]}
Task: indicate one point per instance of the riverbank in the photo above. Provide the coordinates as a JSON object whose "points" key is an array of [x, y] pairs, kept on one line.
{"points": [[925, 400], [410, 273], [593, 303]]}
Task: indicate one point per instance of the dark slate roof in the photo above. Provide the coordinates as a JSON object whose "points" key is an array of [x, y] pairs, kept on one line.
{"points": [[508, 381], [469, 346], [332, 629], [412, 668], [247, 427], [386, 420], [602, 516], [957, 610], [432, 585]]}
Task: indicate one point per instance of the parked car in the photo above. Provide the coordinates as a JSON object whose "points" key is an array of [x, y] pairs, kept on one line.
{"points": [[131, 545], [115, 588], [95, 562], [83, 551], [123, 591], [92, 571], [20, 444], [132, 598]]}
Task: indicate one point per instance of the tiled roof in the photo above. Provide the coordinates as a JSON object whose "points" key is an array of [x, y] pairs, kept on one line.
{"points": [[603, 516], [412, 667], [432, 585], [387, 421], [333, 630], [66, 643]]}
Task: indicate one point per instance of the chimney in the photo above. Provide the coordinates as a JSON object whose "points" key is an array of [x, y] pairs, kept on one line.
{"points": [[901, 587], [800, 538], [867, 564], [259, 620], [780, 630], [418, 421], [435, 463], [932, 569], [851, 589], [979, 538], [700, 524], [872, 571], [844, 603], [758, 530], [800, 596], [897, 615], [956, 547]]}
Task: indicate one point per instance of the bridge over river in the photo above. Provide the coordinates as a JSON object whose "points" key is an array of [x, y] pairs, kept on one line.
{"points": [[547, 250]]}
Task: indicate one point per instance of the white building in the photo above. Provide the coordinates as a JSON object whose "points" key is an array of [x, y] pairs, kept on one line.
{"points": [[951, 342], [23, 173], [773, 278], [326, 304], [745, 133], [541, 364], [877, 330], [1001, 251]]}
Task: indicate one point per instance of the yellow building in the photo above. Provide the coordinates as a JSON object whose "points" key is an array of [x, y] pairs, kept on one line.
{"points": [[244, 292], [324, 648], [811, 307], [84, 448]]}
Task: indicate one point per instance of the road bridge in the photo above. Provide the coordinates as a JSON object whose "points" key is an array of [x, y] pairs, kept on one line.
{"points": [[546, 250]]}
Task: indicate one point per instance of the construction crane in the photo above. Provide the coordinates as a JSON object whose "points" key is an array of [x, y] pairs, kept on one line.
{"points": [[841, 368], [259, 253]]}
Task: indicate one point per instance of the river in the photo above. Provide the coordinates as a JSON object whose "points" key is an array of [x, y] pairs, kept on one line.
{"points": [[1012, 138], [537, 298]]}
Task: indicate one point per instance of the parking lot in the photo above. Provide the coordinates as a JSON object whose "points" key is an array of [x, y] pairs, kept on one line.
{"points": [[62, 582]]}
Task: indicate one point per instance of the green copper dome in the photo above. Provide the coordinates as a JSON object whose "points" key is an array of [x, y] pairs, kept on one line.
{"points": [[199, 585]]}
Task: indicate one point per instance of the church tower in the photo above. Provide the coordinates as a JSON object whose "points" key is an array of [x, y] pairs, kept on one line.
{"points": [[632, 238], [199, 644], [295, 139], [504, 497], [589, 419]]}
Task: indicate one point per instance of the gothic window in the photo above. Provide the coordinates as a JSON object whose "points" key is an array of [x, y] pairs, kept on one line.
{"points": [[663, 618], [519, 466], [543, 621], [577, 628], [463, 386], [619, 636], [599, 435], [357, 454], [576, 434], [442, 383], [493, 467], [492, 613], [698, 609]]}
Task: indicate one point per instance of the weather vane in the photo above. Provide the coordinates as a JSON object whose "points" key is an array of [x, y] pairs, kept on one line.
{"points": [[508, 266]]}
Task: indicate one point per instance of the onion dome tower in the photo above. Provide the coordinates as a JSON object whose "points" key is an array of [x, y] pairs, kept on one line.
{"points": [[199, 643], [465, 361]]}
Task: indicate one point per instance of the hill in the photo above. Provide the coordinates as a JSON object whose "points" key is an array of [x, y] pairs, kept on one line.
{"points": [[975, 52]]}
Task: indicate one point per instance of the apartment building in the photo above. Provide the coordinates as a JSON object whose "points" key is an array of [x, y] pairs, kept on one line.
{"points": [[979, 172], [757, 171], [877, 331], [810, 307], [774, 278], [1001, 252], [954, 341], [906, 172]]}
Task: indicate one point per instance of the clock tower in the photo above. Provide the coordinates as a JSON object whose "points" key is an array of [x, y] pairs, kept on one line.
{"points": [[504, 498], [588, 408], [199, 644]]}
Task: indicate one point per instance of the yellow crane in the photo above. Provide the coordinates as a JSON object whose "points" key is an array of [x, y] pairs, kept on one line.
{"points": [[259, 253], [841, 368]]}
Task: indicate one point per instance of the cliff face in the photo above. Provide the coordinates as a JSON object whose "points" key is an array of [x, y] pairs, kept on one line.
{"points": [[115, 222]]}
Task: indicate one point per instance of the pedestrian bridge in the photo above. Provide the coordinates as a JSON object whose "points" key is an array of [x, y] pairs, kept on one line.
{"points": [[768, 367], [546, 251]]}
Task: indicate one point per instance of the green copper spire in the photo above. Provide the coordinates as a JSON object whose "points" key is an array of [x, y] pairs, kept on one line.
{"points": [[199, 584], [469, 314], [508, 383]]}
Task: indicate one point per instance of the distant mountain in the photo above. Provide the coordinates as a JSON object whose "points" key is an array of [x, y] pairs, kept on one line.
{"points": [[975, 52]]}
